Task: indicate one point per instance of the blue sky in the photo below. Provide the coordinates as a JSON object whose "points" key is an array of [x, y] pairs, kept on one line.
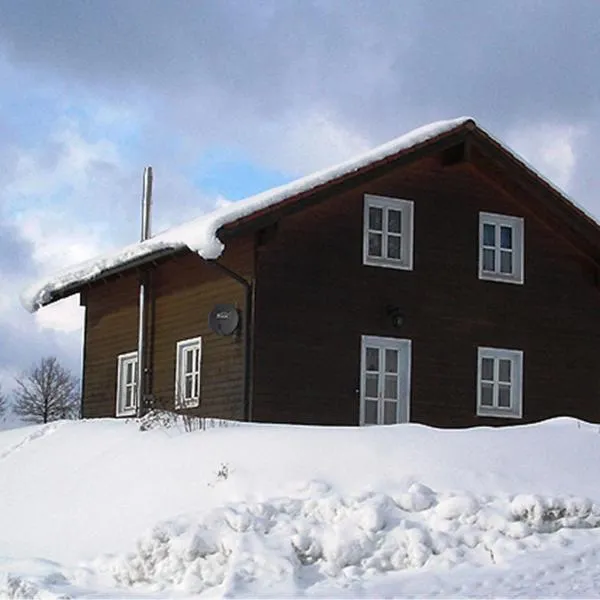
{"points": [[227, 99], [228, 172]]}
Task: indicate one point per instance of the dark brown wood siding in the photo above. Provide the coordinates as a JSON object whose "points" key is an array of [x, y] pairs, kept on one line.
{"points": [[110, 330], [184, 289], [315, 299]]}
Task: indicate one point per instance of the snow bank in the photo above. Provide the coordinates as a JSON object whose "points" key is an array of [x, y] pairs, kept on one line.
{"points": [[117, 508], [200, 235], [289, 544]]}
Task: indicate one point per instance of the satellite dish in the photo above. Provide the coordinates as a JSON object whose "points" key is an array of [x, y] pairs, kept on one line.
{"points": [[224, 319]]}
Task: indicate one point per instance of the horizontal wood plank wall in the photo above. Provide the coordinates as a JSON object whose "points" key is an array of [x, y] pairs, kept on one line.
{"points": [[110, 330], [315, 299], [185, 289]]}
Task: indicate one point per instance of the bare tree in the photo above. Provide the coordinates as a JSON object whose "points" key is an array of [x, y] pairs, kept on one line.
{"points": [[3, 403], [46, 392]]}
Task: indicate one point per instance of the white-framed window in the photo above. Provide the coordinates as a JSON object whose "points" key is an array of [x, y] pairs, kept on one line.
{"points": [[499, 383], [187, 373], [501, 248], [384, 380], [127, 373], [388, 232]]}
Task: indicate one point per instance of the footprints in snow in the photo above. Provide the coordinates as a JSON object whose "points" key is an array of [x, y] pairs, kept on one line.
{"points": [[32, 437]]}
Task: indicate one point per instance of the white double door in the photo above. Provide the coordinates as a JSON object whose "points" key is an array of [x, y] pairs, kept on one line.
{"points": [[385, 380]]}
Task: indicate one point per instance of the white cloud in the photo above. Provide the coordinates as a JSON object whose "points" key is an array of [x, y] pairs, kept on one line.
{"points": [[318, 140], [56, 243], [550, 147], [303, 143], [66, 162], [74, 196], [46, 185], [59, 241]]}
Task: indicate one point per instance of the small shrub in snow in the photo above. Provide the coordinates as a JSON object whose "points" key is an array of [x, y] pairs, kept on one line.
{"points": [[307, 548], [184, 422], [13, 586], [223, 472], [551, 514], [158, 419]]}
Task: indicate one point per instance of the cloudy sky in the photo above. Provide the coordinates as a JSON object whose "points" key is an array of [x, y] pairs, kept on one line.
{"points": [[228, 98]]}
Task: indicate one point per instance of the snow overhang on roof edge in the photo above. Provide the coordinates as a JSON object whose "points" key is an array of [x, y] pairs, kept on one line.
{"points": [[200, 234]]}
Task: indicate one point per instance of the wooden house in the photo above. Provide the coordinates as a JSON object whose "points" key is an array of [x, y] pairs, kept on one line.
{"points": [[437, 279]]}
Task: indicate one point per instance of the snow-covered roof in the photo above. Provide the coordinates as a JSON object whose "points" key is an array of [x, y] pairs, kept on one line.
{"points": [[200, 234]]}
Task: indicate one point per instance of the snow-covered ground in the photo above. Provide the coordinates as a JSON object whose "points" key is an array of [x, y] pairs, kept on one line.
{"points": [[107, 508]]}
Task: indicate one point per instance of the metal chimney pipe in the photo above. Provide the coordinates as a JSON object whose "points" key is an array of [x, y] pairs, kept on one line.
{"points": [[142, 311], [147, 204]]}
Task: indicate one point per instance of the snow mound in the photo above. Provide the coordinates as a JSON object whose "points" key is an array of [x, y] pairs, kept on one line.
{"points": [[287, 544], [163, 507], [32, 579]]}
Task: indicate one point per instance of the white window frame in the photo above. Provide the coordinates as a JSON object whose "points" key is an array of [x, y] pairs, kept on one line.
{"points": [[406, 208], [404, 347], [182, 347], [515, 357], [517, 225], [122, 361]]}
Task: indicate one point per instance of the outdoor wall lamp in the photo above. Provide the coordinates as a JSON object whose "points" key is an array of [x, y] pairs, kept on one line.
{"points": [[395, 315]]}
